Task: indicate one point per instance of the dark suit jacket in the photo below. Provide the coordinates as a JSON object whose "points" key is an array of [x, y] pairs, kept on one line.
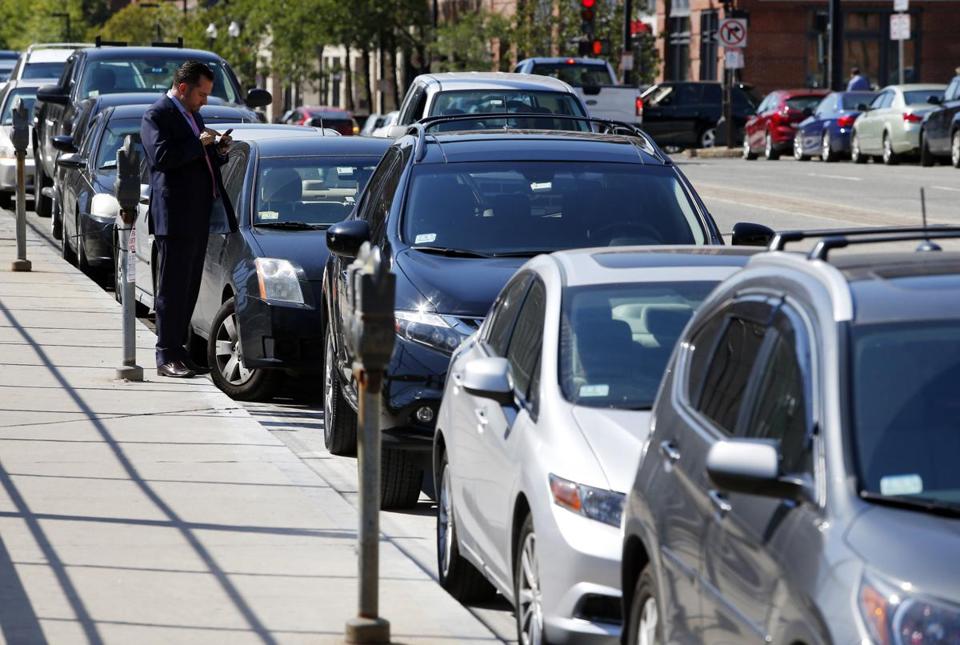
{"points": [[180, 192]]}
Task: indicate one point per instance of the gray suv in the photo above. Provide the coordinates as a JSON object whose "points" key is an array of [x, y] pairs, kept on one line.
{"points": [[801, 482]]}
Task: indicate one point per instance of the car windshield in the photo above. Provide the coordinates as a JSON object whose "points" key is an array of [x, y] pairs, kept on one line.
{"points": [[576, 74], [919, 97], [852, 101], [615, 340], [318, 191], [906, 412], [512, 101], [29, 96], [112, 140], [800, 103], [43, 70], [148, 74], [504, 207]]}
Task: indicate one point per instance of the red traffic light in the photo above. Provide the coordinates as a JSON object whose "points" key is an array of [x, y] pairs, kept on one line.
{"points": [[587, 4], [597, 47]]}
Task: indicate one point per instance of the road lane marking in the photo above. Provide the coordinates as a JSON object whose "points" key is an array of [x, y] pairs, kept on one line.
{"points": [[953, 190], [843, 177]]}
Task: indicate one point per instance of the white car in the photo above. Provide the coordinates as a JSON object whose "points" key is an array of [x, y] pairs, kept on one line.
{"points": [[382, 130], [542, 424], [11, 91], [44, 60]]}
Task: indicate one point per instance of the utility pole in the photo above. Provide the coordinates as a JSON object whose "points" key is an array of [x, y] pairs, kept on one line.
{"points": [[835, 18], [628, 58]]}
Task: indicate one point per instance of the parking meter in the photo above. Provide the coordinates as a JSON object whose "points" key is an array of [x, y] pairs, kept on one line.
{"points": [[127, 185], [21, 140], [127, 189], [21, 129], [370, 323]]}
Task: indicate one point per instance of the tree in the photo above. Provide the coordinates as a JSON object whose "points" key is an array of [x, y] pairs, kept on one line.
{"points": [[465, 44], [139, 25]]}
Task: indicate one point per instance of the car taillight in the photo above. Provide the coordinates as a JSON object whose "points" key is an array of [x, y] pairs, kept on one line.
{"points": [[639, 105], [846, 121], [910, 117]]}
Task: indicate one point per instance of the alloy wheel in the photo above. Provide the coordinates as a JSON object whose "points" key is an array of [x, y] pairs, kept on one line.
{"points": [[647, 633], [709, 138], [768, 145], [955, 149], [530, 598], [887, 150], [445, 523], [229, 356], [826, 154], [328, 386]]}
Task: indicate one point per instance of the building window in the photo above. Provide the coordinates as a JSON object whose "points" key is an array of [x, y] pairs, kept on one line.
{"points": [[678, 49], [709, 23]]}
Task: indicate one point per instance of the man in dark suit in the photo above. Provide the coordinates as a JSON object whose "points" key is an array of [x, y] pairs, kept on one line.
{"points": [[184, 159]]}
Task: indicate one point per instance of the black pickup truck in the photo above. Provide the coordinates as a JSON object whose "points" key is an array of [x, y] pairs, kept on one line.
{"points": [[110, 69], [684, 114]]}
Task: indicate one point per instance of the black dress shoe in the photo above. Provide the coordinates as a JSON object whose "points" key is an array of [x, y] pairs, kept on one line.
{"points": [[175, 369], [196, 368]]}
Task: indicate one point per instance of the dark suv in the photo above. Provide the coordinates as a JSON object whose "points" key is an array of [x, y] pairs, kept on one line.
{"points": [[112, 69], [800, 483], [455, 214], [940, 132], [685, 114]]}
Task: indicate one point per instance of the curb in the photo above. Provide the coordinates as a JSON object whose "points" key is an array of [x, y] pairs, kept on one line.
{"points": [[713, 153]]}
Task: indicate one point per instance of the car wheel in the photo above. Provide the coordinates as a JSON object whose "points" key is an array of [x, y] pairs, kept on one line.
{"points": [[798, 149], [339, 419], [225, 358], [461, 579], [926, 157], [644, 626], [708, 138], [955, 149], [526, 587], [41, 204], [748, 153], [856, 155], [56, 220], [826, 149], [66, 251], [400, 478], [890, 158], [769, 151]]}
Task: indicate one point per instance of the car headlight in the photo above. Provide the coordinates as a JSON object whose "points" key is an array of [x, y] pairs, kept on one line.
{"points": [[894, 616], [278, 280], [104, 206], [430, 329], [594, 503]]}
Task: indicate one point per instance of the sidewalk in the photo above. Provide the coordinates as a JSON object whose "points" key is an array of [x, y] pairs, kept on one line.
{"points": [[161, 511]]}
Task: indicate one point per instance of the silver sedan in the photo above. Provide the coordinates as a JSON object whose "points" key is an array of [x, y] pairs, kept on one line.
{"points": [[541, 425]]}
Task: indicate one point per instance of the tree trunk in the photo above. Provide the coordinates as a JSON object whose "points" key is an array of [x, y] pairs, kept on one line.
{"points": [[321, 77], [348, 80], [367, 87], [393, 98]]}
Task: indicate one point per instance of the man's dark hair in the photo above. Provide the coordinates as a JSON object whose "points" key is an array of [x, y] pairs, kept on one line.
{"points": [[855, 70], [190, 73]]}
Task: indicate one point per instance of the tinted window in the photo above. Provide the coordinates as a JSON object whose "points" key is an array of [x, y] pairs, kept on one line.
{"points": [[233, 173], [851, 101], [953, 90], [112, 140], [524, 349], [729, 372], [615, 340], [919, 97], [801, 103], [42, 70], [315, 190], [527, 207], [29, 96], [512, 101], [701, 350], [150, 73], [576, 74], [504, 313]]}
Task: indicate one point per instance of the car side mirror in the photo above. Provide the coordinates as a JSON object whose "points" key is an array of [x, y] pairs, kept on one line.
{"points": [[344, 239], [53, 94], [257, 97], [750, 234], [396, 131], [64, 143], [807, 112], [71, 160], [752, 467], [933, 99], [488, 378], [863, 107]]}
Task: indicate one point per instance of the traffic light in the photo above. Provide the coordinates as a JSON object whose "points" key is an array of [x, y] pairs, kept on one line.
{"points": [[594, 47], [587, 15]]}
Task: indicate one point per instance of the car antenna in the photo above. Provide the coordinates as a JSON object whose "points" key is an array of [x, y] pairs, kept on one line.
{"points": [[927, 244]]}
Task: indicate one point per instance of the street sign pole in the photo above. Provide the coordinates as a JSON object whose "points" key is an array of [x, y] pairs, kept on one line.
{"points": [[732, 34], [21, 138], [628, 41], [900, 57], [370, 338], [127, 188]]}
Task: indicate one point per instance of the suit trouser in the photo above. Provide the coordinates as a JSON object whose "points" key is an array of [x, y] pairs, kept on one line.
{"points": [[179, 272]]}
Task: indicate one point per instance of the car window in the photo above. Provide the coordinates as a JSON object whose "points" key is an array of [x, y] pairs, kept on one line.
{"points": [[42, 70], [412, 109], [884, 99], [660, 95], [233, 173], [826, 106], [504, 313], [920, 97], [112, 140], [853, 100], [576, 74], [29, 96], [743, 98], [377, 207], [511, 101], [148, 73], [953, 90], [801, 103], [700, 351], [91, 133], [523, 352]]}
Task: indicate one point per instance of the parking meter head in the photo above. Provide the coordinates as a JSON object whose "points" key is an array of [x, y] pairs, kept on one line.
{"points": [[370, 323], [21, 126], [127, 184]]}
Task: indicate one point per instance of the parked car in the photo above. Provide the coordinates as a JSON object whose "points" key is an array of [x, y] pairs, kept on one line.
{"points": [[596, 83], [96, 71], [340, 120], [389, 119], [455, 93], [258, 314], [44, 60], [685, 114], [890, 126], [10, 92], [940, 130], [826, 132], [371, 123], [541, 426], [773, 127], [8, 60], [799, 484], [456, 214]]}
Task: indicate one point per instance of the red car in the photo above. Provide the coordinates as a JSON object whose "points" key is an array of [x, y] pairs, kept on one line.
{"points": [[330, 117], [772, 128]]}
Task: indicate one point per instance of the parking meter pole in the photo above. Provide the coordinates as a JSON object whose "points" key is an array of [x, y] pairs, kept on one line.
{"points": [[369, 339], [128, 196], [728, 75], [20, 140]]}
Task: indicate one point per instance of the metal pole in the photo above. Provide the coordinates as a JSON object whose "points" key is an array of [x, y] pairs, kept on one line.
{"points": [[628, 39], [19, 138], [728, 105], [368, 454], [836, 46], [129, 370], [900, 57]]}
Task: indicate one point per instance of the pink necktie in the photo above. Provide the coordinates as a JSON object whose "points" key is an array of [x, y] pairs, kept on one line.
{"points": [[213, 179]]}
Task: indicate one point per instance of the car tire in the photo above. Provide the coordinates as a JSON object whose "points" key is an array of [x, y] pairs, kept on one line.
{"points": [[225, 358], [400, 478], [339, 419], [955, 149], [457, 575], [56, 220], [708, 138], [827, 154], [66, 252], [41, 204], [528, 608], [856, 155], [748, 153], [926, 157], [769, 151], [798, 149], [643, 624], [890, 158]]}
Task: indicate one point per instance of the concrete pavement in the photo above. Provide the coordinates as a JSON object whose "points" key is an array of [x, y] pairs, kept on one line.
{"points": [[162, 511]]}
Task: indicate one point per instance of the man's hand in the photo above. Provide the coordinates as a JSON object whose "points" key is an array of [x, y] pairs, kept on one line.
{"points": [[224, 143], [208, 136]]}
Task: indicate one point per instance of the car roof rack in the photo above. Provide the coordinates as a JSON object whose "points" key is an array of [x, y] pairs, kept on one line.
{"points": [[609, 127], [38, 46], [178, 44], [99, 42], [838, 238]]}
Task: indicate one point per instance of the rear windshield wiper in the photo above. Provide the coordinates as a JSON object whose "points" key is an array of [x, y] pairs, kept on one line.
{"points": [[454, 253], [293, 226], [919, 503]]}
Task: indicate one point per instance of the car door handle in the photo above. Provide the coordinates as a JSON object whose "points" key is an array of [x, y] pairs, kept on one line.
{"points": [[669, 450], [482, 420], [720, 503]]}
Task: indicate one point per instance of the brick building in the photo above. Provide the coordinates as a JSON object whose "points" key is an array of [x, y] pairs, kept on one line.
{"points": [[788, 41]]}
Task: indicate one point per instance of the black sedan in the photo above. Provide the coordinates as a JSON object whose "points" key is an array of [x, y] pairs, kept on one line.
{"points": [[87, 203], [940, 133], [259, 312]]}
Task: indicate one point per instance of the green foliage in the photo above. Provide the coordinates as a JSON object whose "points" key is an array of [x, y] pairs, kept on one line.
{"points": [[139, 25], [464, 44]]}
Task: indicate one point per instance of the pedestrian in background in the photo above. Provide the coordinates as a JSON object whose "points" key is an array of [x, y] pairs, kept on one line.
{"points": [[186, 200], [858, 82]]}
